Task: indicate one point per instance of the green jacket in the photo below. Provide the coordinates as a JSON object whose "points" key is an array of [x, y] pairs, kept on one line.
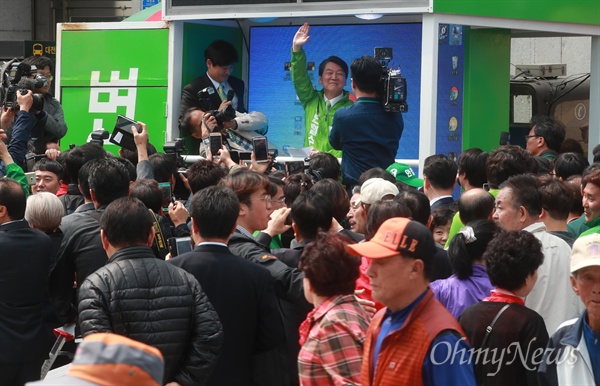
{"points": [[15, 172], [594, 227], [318, 121]]}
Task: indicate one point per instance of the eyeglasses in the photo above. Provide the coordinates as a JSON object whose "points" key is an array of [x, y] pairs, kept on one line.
{"points": [[266, 199], [355, 204], [281, 201], [530, 136]]}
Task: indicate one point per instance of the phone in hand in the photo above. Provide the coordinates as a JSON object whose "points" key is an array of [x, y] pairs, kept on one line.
{"points": [[165, 188], [122, 135], [245, 156], [216, 143], [260, 149], [179, 245], [235, 156]]}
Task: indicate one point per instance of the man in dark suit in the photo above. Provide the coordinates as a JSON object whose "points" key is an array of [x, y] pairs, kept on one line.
{"points": [[25, 258], [241, 292], [220, 58], [440, 178]]}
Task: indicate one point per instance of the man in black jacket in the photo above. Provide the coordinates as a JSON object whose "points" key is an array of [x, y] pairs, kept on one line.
{"points": [[25, 258], [241, 291], [150, 300], [81, 251]]}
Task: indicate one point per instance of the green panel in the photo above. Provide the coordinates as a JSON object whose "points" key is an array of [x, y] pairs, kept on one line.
{"points": [[149, 107], [574, 11], [487, 87], [196, 37], [99, 53]]}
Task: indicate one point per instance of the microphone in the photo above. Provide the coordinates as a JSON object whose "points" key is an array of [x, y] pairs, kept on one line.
{"points": [[230, 95], [26, 83]]}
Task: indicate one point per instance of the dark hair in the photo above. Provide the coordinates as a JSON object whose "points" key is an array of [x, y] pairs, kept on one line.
{"points": [[571, 145], [418, 204], [589, 170], [440, 217], [294, 185], [383, 210], [376, 173], [245, 182], [108, 179], [551, 129], [475, 204], [12, 196], [221, 53], [311, 214], [506, 161], [440, 170], [127, 222], [554, 193], [83, 179], [215, 211], [524, 189], [329, 268], [203, 174], [39, 62], [132, 156], [164, 166], [275, 182], [326, 164], [336, 60], [148, 192], [366, 74], [75, 158], [48, 165], [472, 162], [130, 168], [591, 178], [568, 164], [512, 256], [462, 254], [573, 183], [335, 194]]}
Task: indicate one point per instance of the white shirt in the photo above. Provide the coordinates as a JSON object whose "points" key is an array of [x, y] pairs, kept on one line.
{"points": [[552, 296]]}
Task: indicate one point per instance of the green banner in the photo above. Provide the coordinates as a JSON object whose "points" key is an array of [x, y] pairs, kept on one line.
{"points": [[127, 76]]}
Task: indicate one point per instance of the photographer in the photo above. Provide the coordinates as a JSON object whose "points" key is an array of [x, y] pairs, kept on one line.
{"points": [[51, 125], [218, 90], [24, 121], [367, 135]]}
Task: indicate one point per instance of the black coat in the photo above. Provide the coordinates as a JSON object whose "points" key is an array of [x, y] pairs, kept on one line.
{"points": [[154, 302], [25, 259], [242, 294], [189, 96]]}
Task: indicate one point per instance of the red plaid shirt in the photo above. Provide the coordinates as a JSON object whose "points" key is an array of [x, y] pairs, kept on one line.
{"points": [[332, 353]]}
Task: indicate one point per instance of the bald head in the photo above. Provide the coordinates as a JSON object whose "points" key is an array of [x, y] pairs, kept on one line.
{"points": [[475, 204]]}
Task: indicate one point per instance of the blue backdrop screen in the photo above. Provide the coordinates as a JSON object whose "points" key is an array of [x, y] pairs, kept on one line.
{"points": [[270, 85]]}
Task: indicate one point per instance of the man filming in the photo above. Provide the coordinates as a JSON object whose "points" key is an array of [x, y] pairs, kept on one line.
{"points": [[367, 135]]}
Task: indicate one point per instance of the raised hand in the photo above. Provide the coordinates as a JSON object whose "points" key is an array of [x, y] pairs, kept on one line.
{"points": [[301, 37]]}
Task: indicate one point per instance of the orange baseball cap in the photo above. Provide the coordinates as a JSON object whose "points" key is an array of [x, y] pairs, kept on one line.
{"points": [[397, 235]]}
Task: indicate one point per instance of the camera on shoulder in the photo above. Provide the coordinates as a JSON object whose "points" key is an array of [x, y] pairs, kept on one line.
{"points": [[20, 77], [392, 85]]}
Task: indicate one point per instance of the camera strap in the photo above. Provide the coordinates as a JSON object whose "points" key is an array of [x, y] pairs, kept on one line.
{"points": [[159, 238]]}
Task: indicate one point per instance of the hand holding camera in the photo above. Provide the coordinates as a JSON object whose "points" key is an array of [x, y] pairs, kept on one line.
{"points": [[25, 100]]}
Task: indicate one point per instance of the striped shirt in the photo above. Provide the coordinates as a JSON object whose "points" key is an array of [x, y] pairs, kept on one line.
{"points": [[332, 351]]}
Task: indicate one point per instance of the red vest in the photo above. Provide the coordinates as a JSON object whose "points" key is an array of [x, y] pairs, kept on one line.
{"points": [[401, 356]]}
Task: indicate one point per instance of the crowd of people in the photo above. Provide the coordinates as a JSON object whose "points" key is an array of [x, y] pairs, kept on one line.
{"points": [[352, 274]]}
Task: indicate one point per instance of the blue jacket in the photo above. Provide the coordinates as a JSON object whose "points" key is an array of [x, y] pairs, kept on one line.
{"points": [[368, 137]]}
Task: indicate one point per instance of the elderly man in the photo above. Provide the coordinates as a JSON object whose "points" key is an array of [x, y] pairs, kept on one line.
{"points": [[572, 356], [518, 207], [412, 340]]}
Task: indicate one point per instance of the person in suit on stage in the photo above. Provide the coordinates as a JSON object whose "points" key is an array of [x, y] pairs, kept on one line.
{"points": [[241, 291], [25, 258], [217, 82]]}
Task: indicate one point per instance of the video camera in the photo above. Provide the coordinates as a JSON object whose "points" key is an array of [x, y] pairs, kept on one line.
{"points": [[175, 148], [16, 76], [224, 115], [392, 84]]}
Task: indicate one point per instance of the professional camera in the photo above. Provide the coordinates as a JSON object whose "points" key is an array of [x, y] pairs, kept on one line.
{"points": [[98, 136], [16, 77], [224, 115], [392, 84], [175, 148]]}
